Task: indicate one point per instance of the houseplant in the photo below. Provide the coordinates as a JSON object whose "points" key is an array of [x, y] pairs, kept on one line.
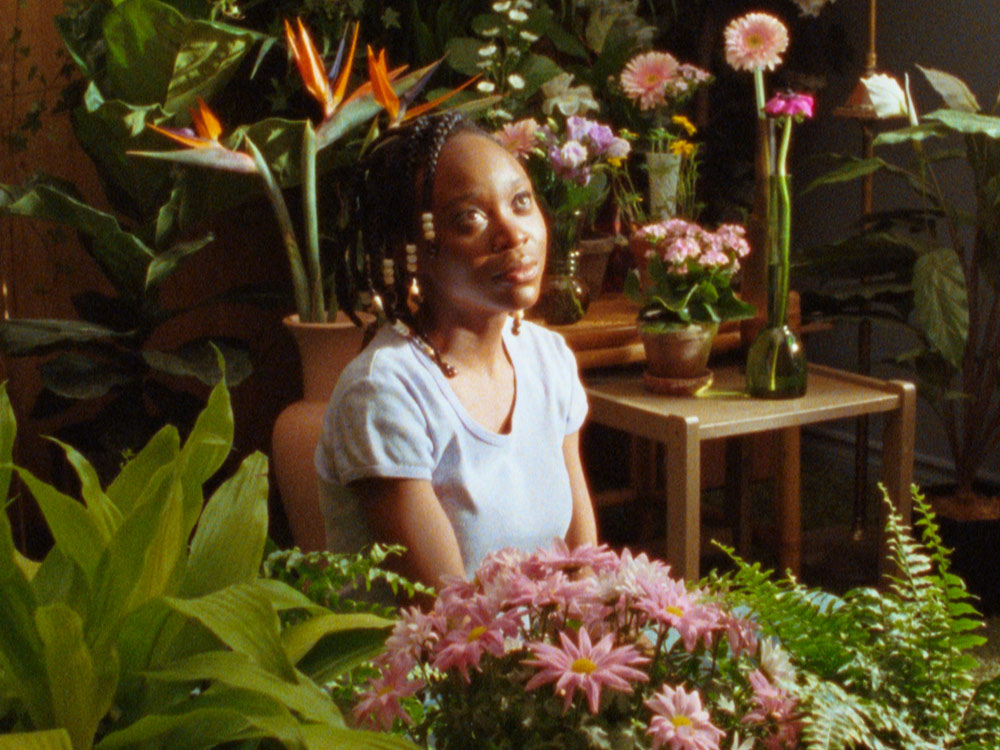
{"points": [[147, 623], [683, 285], [569, 164], [953, 309], [589, 648]]}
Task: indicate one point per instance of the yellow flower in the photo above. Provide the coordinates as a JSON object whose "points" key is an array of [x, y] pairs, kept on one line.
{"points": [[683, 148], [685, 123]]}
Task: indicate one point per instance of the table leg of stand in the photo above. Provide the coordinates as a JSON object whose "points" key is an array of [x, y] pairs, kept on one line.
{"points": [[788, 499], [683, 480], [897, 458]]}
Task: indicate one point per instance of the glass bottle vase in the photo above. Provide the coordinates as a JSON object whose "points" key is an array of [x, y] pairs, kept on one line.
{"points": [[776, 361], [564, 296]]}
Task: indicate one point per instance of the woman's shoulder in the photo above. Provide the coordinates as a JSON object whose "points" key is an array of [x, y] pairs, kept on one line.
{"points": [[387, 359], [549, 346]]}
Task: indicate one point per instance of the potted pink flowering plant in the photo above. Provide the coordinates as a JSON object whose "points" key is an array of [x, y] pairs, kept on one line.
{"points": [[683, 285], [580, 648]]}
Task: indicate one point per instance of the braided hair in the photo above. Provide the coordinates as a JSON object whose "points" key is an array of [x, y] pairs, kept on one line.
{"points": [[393, 186]]}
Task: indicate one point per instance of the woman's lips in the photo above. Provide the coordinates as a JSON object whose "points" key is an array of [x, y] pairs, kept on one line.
{"points": [[522, 272]]}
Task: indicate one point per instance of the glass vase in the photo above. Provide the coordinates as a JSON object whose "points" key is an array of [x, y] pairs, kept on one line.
{"points": [[776, 361], [564, 296]]}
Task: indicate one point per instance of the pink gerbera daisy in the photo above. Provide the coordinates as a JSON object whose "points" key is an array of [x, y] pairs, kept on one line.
{"points": [[680, 722], [380, 705], [755, 41], [585, 667], [646, 76]]}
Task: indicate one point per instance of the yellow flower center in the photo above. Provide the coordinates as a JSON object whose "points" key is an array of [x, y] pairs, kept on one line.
{"points": [[475, 633], [583, 665], [680, 721], [673, 609]]}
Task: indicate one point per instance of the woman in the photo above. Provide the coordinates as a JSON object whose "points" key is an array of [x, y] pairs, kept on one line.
{"points": [[456, 429]]}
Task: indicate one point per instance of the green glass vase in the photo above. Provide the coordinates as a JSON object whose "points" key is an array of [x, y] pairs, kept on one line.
{"points": [[776, 361]]}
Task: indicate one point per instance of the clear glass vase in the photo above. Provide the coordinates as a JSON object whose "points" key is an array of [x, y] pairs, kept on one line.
{"points": [[564, 296], [776, 361]]}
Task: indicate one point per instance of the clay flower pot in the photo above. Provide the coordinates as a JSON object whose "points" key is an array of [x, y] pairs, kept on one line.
{"points": [[677, 357]]}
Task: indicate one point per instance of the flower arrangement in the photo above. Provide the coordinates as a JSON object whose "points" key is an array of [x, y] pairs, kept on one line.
{"points": [[580, 648], [657, 83], [569, 168], [246, 150], [689, 272]]}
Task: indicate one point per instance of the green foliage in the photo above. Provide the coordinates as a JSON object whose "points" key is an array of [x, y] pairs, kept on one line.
{"points": [[883, 668], [147, 624]]}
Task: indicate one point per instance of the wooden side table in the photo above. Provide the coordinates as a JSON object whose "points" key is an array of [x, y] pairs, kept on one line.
{"points": [[619, 400]]}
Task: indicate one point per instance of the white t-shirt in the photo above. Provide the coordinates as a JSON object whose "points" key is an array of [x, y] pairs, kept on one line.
{"points": [[394, 414]]}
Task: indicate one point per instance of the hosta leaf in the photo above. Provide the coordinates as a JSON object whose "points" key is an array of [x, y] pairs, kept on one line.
{"points": [[8, 430], [321, 737], [98, 503], [204, 451], [941, 304], [327, 646], [229, 542], [134, 480]]}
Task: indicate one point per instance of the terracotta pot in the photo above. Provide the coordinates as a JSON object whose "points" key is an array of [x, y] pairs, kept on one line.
{"points": [[677, 357], [324, 349]]}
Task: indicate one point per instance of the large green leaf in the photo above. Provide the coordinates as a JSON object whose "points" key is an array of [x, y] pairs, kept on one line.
{"points": [[970, 123], [327, 646], [235, 670], [199, 358], [215, 716], [165, 263], [8, 430], [122, 256], [321, 737], [104, 511], [81, 376], [942, 306], [229, 542], [953, 90], [851, 168], [76, 531], [49, 739], [134, 481], [82, 683], [27, 336], [204, 451], [241, 617]]}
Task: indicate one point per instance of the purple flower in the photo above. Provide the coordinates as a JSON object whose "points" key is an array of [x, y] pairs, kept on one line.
{"points": [[790, 104], [570, 161]]}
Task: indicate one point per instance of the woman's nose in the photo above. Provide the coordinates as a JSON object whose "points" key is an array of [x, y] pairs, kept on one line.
{"points": [[508, 233]]}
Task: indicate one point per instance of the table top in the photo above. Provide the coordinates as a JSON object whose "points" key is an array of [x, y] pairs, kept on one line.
{"points": [[618, 399]]}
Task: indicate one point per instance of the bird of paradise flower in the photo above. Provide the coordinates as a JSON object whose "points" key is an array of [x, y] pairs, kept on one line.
{"points": [[385, 89]]}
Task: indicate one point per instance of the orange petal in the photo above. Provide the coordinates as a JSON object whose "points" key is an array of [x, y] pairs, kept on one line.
{"points": [[381, 89], [426, 106], [206, 124], [345, 70], [366, 87], [310, 65], [187, 140]]}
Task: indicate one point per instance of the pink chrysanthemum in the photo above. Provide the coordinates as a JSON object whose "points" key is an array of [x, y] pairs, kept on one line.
{"points": [[380, 705], [755, 41], [585, 667], [519, 137], [646, 77], [477, 630], [559, 556], [775, 708], [790, 105], [680, 722]]}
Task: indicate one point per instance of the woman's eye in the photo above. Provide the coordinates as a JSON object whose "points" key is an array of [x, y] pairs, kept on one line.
{"points": [[468, 218], [523, 201]]}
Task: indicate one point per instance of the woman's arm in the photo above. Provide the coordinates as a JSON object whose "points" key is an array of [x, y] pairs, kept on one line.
{"points": [[407, 512], [582, 526]]}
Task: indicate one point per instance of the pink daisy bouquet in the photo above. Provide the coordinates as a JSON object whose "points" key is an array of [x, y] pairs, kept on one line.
{"points": [[571, 167], [581, 648], [687, 273]]}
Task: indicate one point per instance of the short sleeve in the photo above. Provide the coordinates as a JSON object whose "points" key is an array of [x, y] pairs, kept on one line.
{"points": [[375, 427]]}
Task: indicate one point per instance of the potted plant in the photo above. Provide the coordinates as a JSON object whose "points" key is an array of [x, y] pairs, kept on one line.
{"points": [[683, 285], [148, 623], [952, 307]]}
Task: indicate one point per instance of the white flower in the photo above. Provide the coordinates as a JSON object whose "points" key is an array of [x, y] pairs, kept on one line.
{"points": [[492, 31], [517, 16], [776, 662], [569, 100], [811, 7], [502, 7], [488, 51], [485, 86], [528, 36], [886, 95], [515, 81], [524, 4]]}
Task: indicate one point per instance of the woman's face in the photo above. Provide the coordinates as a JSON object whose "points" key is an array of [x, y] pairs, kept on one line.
{"points": [[490, 233]]}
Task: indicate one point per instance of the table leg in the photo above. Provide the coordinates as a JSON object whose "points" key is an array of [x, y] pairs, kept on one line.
{"points": [[897, 458], [788, 499], [683, 470], [739, 489]]}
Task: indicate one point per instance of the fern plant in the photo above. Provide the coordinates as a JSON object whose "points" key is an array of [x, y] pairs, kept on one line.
{"points": [[887, 668]]}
